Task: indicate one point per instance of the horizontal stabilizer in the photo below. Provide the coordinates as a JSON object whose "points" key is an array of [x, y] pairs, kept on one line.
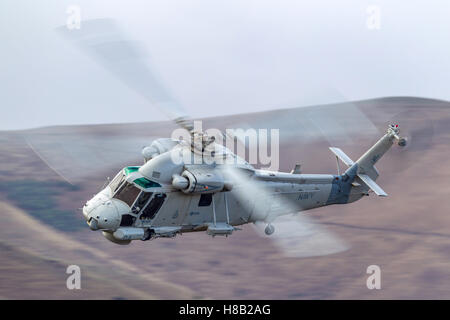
{"points": [[372, 185], [341, 155]]}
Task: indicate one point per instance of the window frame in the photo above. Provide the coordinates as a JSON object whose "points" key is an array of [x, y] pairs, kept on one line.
{"points": [[164, 196], [145, 204], [124, 186], [145, 183], [121, 181]]}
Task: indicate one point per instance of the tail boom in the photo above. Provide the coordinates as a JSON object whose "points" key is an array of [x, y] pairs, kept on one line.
{"points": [[363, 170], [366, 163]]}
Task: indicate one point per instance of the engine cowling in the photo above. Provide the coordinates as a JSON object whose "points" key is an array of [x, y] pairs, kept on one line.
{"points": [[200, 180], [158, 147]]}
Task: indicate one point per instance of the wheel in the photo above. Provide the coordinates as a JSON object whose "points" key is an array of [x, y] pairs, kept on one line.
{"points": [[269, 229]]}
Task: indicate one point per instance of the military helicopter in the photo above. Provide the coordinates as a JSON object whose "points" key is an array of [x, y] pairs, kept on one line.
{"points": [[196, 184], [163, 197]]}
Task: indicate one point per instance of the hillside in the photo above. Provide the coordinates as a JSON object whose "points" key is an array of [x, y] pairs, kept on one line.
{"points": [[406, 234]]}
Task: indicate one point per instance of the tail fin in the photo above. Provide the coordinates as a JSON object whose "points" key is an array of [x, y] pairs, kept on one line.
{"points": [[342, 156], [365, 166], [366, 163], [372, 185]]}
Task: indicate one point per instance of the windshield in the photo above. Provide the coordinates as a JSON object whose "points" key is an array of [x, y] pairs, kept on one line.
{"points": [[115, 183], [127, 193]]}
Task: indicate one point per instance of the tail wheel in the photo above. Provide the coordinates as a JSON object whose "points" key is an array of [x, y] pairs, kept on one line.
{"points": [[269, 229]]}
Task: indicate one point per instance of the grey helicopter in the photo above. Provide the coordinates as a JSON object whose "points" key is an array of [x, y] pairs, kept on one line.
{"points": [[163, 197], [196, 183]]}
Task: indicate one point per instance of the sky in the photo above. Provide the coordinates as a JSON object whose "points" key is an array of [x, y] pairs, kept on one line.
{"points": [[222, 57]]}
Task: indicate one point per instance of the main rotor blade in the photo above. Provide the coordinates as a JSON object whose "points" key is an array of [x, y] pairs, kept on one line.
{"points": [[351, 125], [79, 156], [338, 123], [106, 44]]}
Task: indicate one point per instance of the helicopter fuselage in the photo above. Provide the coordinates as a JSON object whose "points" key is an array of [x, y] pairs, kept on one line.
{"points": [[163, 197], [180, 212]]}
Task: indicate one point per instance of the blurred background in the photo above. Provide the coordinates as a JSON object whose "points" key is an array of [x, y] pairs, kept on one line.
{"points": [[324, 73], [222, 57]]}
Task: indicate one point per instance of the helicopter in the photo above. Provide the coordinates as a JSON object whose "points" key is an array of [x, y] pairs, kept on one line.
{"points": [[196, 183], [163, 197]]}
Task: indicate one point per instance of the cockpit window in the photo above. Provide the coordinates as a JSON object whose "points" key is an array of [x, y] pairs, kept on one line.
{"points": [[141, 201], [115, 183], [145, 183], [127, 193], [127, 220], [153, 207], [129, 170]]}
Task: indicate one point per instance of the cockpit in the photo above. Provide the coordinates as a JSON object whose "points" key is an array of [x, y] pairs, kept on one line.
{"points": [[133, 190], [128, 198]]}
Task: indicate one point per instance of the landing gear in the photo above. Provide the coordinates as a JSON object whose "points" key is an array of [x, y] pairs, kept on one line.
{"points": [[148, 235], [269, 229]]}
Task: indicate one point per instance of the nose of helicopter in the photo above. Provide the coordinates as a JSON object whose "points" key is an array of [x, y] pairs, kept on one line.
{"points": [[103, 216]]}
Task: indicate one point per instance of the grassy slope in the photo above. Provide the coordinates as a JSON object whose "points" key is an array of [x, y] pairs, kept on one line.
{"points": [[103, 276]]}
